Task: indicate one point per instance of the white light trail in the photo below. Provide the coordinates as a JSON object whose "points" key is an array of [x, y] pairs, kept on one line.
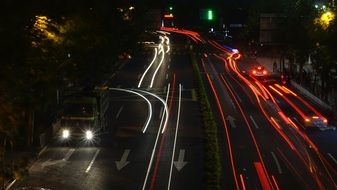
{"points": [[167, 40], [175, 139], [148, 103], [155, 144], [165, 106], [158, 67], [162, 39], [147, 69]]}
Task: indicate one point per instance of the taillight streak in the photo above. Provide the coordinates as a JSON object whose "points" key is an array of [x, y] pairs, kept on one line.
{"points": [[226, 131], [248, 126]]}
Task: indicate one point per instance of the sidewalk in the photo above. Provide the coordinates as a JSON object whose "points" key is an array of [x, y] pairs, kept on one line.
{"points": [[268, 63]]}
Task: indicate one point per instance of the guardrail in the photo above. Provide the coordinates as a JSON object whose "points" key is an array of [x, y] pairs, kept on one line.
{"points": [[310, 95]]}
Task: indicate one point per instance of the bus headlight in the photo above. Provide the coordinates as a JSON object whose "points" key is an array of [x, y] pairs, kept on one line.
{"points": [[65, 133], [88, 135]]}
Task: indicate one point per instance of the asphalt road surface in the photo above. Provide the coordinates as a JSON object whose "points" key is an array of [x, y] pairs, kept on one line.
{"points": [[155, 134]]}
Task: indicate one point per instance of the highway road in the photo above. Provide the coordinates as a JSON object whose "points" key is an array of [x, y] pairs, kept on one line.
{"points": [[155, 135], [142, 148]]}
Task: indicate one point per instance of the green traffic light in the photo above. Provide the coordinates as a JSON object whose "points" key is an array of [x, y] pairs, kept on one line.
{"points": [[171, 8], [210, 14]]}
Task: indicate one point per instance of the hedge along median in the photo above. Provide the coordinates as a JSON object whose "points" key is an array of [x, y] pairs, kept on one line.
{"points": [[212, 156]]}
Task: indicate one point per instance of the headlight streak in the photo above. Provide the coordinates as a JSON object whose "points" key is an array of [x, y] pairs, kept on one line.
{"points": [[163, 102], [147, 69], [175, 138], [148, 103], [155, 144], [160, 63]]}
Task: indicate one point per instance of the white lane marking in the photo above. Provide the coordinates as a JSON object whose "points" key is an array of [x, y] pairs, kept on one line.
{"points": [[147, 69], [168, 66], [119, 111], [11, 184], [175, 140], [122, 163], [161, 112], [333, 158], [42, 151], [69, 153], [256, 126], [148, 103], [92, 161], [277, 162], [158, 67], [166, 76], [155, 144]]}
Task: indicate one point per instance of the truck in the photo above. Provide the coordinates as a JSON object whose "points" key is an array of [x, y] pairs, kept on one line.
{"points": [[83, 115]]}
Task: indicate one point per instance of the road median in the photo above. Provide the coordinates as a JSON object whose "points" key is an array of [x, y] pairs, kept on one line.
{"points": [[212, 152]]}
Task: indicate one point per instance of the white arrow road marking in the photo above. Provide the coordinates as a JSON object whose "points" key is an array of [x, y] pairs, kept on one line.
{"points": [[333, 159], [50, 162], [256, 126], [180, 163], [231, 120], [122, 163], [277, 162], [119, 111]]}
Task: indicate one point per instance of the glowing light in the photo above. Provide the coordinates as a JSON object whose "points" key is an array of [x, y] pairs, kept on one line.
{"points": [[88, 135], [65, 133], [210, 15], [168, 16], [325, 19]]}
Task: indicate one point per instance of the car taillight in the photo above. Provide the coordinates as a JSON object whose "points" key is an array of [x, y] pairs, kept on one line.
{"points": [[264, 72], [307, 120], [254, 72]]}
